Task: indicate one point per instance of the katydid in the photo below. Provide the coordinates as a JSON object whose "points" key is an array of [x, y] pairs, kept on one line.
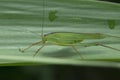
{"points": [[68, 38]]}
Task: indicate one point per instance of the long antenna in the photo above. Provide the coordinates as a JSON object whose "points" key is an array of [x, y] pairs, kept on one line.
{"points": [[43, 19]]}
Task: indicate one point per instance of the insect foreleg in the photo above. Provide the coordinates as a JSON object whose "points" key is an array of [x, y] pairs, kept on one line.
{"points": [[23, 50], [39, 49], [75, 49]]}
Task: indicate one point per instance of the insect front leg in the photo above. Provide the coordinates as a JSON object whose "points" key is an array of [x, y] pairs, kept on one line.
{"points": [[23, 50], [39, 49]]}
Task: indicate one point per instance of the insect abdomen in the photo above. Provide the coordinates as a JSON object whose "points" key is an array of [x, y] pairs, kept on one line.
{"points": [[93, 36]]}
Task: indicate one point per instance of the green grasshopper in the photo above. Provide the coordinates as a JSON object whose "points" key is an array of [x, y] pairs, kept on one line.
{"points": [[68, 38]]}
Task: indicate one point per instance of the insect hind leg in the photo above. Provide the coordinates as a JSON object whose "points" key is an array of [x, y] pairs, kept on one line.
{"points": [[107, 47]]}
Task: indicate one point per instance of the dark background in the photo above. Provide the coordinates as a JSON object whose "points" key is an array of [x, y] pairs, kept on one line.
{"points": [[115, 1], [58, 72]]}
